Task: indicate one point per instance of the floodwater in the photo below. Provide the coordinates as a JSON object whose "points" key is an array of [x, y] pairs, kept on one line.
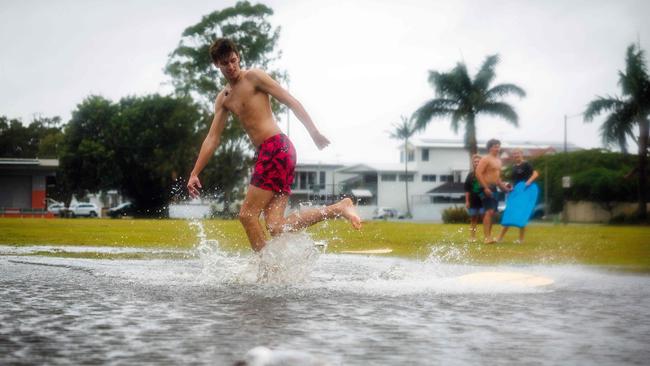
{"points": [[341, 309]]}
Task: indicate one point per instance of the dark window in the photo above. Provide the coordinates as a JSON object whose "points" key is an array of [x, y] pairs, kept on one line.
{"points": [[425, 154], [303, 180], [411, 155], [428, 177], [389, 177], [402, 177], [322, 178]]}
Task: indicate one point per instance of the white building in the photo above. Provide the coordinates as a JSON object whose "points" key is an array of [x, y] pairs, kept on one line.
{"points": [[436, 172]]}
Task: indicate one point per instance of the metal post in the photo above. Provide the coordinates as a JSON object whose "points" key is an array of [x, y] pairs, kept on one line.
{"points": [[546, 208], [565, 147]]}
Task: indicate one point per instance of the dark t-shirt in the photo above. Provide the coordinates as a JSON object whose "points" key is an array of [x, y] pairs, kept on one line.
{"points": [[473, 186], [521, 172]]}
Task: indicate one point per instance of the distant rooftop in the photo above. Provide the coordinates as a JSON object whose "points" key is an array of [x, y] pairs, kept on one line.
{"points": [[455, 144]]}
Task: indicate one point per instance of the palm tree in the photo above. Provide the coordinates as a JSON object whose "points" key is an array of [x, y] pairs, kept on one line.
{"points": [[404, 131], [463, 99], [626, 113]]}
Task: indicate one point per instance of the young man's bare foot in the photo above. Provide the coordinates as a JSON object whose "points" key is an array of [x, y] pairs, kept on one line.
{"points": [[489, 241], [348, 211]]}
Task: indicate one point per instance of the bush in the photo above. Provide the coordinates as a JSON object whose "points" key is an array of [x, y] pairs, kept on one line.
{"points": [[632, 219], [455, 215]]}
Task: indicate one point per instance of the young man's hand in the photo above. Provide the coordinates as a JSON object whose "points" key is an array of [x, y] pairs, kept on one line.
{"points": [[320, 140], [193, 185]]}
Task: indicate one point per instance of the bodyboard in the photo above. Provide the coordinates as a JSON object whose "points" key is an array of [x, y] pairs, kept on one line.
{"points": [[520, 204]]}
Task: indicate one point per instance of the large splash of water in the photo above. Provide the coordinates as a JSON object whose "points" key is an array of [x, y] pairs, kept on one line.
{"points": [[286, 259]]}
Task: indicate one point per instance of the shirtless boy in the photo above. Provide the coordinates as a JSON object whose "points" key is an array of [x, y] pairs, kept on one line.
{"points": [[488, 173], [246, 95]]}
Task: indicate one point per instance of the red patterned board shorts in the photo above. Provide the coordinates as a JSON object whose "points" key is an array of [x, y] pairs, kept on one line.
{"points": [[275, 165]]}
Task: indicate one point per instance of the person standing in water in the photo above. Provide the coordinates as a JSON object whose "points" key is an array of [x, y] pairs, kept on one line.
{"points": [[522, 171], [472, 197], [488, 173], [246, 95]]}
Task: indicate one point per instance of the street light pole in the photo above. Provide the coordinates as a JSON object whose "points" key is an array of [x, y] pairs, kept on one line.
{"points": [[565, 148], [565, 129]]}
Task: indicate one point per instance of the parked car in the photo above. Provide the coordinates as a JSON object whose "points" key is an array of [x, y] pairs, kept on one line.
{"points": [[123, 209], [84, 209], [56, 208], [387, 213]]}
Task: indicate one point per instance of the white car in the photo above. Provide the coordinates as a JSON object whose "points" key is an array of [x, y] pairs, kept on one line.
{"points": [[56, 208], [387, 213], [84, 209]]}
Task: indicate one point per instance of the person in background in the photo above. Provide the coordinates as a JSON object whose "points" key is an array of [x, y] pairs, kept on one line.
{"points": [[473, 198], [522, 171]]}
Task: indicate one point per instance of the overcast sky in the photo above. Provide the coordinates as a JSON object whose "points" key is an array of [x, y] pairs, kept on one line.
{"points": [[355, 65]]}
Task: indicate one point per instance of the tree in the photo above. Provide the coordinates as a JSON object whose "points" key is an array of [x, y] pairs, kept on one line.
{"points": [[464, 99], [139, 146], [153, 143], [584, 166], [626, 113], [40, 139], [193, 74], [404, 131], [87, 159]]}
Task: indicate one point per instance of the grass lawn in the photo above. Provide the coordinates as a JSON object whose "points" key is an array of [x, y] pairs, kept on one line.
{"points": [[627, 247]]}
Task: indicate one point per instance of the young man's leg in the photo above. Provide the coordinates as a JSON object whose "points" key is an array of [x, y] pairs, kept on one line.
{"points": [[473, 223], [487, 226], [257, 199], [277, 223]]}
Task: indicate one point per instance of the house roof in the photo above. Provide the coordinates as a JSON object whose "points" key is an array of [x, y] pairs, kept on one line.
{"points": [[449, 187], [456, 144], [377, 167]]}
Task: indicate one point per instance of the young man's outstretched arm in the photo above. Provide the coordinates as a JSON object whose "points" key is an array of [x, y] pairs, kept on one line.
{"points": [[266, 84], [210, 144]]}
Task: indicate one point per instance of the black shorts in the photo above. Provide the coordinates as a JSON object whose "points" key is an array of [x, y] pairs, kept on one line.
{"points": [[490, 203]]}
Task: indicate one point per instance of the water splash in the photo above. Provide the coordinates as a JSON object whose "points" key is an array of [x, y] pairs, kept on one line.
{"points": [[286, 259]]}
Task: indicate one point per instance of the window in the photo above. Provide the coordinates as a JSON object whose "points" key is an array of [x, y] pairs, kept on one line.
{"points": [[429, 177], [411, 155], [403, 177], [389, 177], [425, 154], [446, 178], [322, 178], [303, 180]]}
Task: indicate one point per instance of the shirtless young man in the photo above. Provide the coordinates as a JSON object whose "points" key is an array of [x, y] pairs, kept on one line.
{"points": [[247, 96], [488, 173]]}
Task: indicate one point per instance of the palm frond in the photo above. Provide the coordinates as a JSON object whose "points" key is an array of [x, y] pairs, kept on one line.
{"points": [[600, 105], [500, 109], [403, 130], [618, 126], [456, 117], [503, 90], [486, 73], [635, 80], [446, 84], [434, 108]]}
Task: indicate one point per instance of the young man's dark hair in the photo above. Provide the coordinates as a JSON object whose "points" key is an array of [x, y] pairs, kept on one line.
{"points": [[222, 48], [493, 142]]}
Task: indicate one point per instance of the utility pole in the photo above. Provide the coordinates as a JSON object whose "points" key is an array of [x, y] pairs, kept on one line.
{"points": [[565, 147]]}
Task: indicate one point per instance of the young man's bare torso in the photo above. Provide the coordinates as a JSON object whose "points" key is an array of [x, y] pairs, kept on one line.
{"points": [[247, 96]]}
